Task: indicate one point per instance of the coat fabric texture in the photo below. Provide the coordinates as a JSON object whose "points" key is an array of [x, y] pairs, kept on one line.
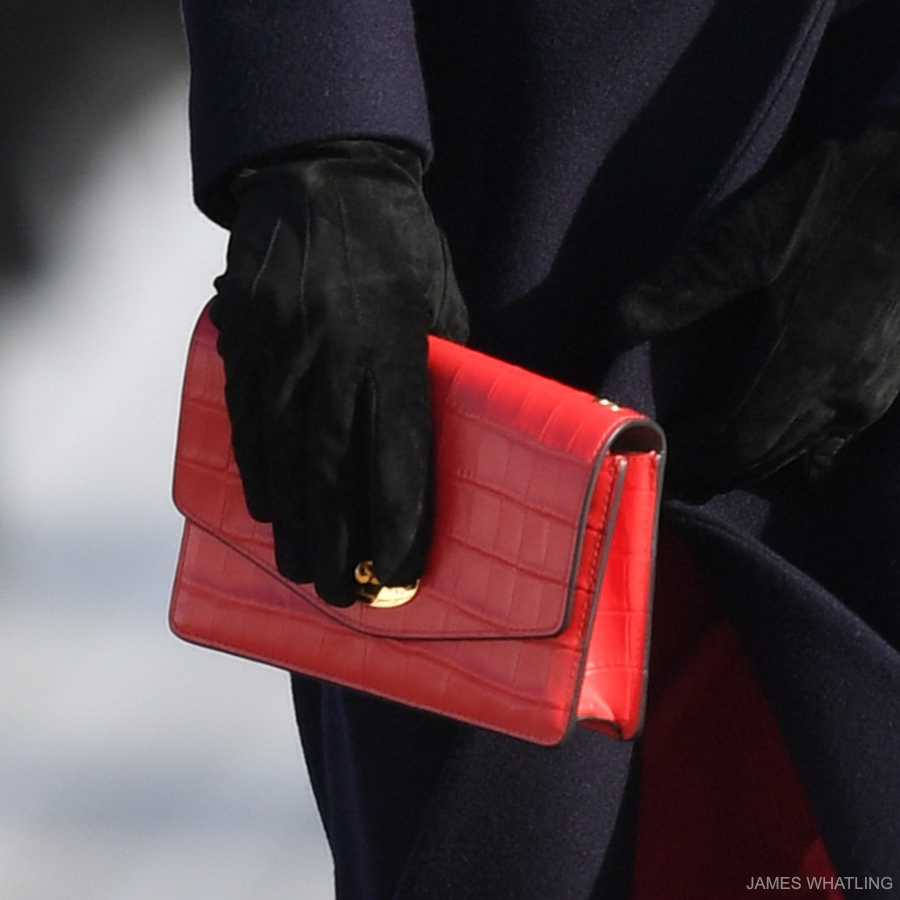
{"points": [[571, 146]]}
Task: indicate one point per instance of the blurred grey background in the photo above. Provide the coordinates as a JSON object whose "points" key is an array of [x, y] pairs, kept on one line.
{"points": [[132, 766]]}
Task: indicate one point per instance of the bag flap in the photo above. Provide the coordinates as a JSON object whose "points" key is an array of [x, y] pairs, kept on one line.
{"points": [[520, 462]]}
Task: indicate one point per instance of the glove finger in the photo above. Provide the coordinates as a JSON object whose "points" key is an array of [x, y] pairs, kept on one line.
{"points": [[244, 401], [245, 329], [709, 455], [690, 286], [400, 436], [793, 440], [288, 486], [336, 540], [336, 472]]}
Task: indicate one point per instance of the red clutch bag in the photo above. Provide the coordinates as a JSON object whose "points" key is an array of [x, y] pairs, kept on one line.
{"points": [[533, 614]]}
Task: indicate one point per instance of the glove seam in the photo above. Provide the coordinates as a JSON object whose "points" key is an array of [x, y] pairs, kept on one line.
{"points": [[267, 256], [354, 292]]}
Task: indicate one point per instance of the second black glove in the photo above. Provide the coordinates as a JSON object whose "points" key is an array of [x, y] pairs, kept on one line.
{"points": [[817, 249]]}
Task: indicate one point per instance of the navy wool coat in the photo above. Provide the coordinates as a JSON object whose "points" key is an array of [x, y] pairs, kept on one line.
{"points": [[570, 147]]}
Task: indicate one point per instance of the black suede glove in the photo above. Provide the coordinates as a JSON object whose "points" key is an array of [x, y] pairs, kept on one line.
{"points": [[817, 248], [336, 274]]}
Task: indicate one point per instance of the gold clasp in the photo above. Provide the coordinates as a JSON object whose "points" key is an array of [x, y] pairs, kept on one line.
{"points": [[381, 596]]}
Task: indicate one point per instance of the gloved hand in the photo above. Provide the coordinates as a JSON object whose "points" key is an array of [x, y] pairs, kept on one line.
{"points": [[336, 274], [818, 247]]}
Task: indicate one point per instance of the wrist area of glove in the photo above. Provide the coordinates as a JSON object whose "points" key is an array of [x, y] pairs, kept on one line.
{"points": [[376, 166]]}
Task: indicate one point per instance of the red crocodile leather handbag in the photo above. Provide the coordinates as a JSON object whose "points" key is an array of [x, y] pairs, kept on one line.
{"points": [[533, 614]]}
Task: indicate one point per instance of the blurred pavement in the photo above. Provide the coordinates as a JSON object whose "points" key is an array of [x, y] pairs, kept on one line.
{"points": [[132, 766]]}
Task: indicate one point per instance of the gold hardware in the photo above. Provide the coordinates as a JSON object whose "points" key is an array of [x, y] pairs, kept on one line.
{"points": [[381, 596]]}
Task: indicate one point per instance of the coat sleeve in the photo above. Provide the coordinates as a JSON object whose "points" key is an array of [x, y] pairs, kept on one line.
{"points": [[267, 75], [863, 58], [854, 78]]}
